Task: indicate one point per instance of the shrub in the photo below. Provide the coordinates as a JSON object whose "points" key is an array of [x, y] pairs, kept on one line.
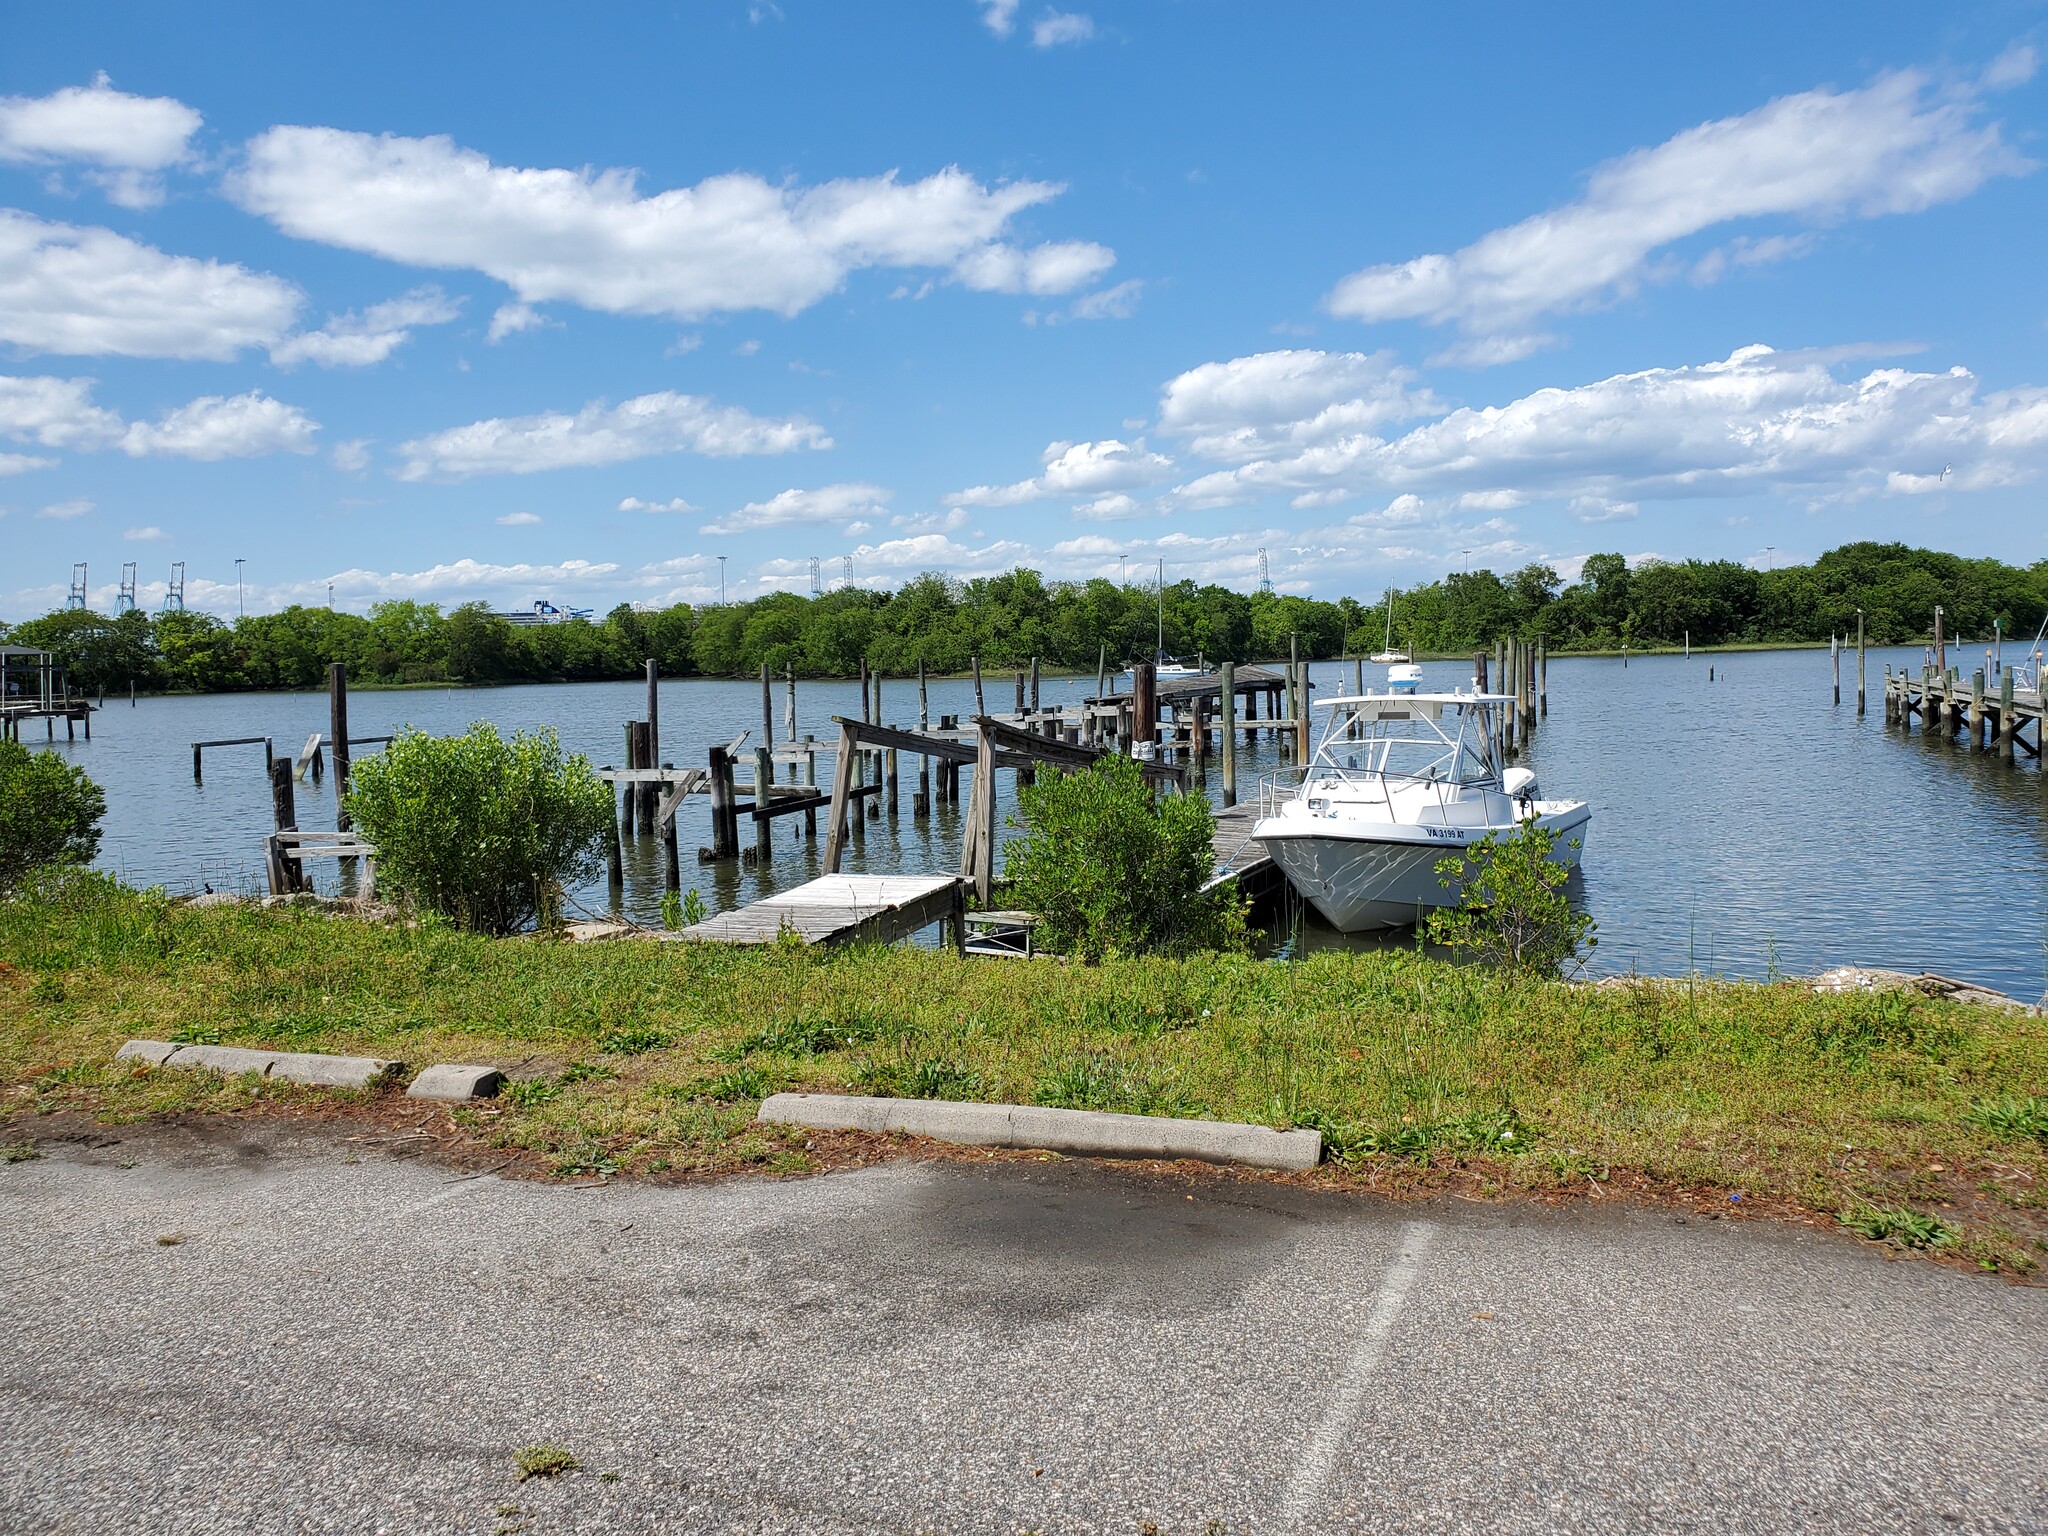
{"points": [[484, 831], [1111, 871], [49, 812], [1513, 911]]}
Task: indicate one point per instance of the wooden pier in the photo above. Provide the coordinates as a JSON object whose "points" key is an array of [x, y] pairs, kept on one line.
{"points": [[34, 687], [843, 909], [1988, 717]]}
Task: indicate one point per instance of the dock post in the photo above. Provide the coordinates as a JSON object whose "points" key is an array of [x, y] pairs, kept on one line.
{"points": [[724, 827], [764, 780], [2006, 719], [653, 670], [1859, 662], [1479, 671], [979, 707], [1301, 726], [1020, 696], [1511, 685], [647, 791], [1835, 655], [285, 874], [922, 805], [1980, 734], [1034, 685], [337, 730], [811, 784], [614, 863], [1101, 667], [629, 791], [671, 856], [1226, 700], [1543, 677], [1144, 703], [766, 758], [197, 777], [842, 790], [789, 702]]}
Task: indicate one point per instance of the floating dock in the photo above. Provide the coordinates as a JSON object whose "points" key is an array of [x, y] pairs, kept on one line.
{"points": [[842, 909]]}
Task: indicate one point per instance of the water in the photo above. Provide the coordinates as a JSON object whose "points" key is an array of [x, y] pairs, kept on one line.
{"points": [[1738, 825]]}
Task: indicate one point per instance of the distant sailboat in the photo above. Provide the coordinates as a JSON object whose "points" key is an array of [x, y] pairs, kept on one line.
{"points": [[1165, 667], [1387, 653]]}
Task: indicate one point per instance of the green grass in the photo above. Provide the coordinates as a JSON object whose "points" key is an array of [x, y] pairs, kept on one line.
{"points": [[636, 1056]]}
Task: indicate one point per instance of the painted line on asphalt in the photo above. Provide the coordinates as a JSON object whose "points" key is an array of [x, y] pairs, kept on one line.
{"points": [[1321, 1454]]}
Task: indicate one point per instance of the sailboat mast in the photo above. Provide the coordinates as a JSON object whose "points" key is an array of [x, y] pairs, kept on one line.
{"points": [[1159, 646]]}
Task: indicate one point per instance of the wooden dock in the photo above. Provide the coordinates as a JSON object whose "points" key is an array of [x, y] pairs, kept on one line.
{"points": [[1988, 716], [843, 909], [1239, 860]]}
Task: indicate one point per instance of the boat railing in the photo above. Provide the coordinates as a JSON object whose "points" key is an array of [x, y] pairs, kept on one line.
{"points": [[1279, 787]]}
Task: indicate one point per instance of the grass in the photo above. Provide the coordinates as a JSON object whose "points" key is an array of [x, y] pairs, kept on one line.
{"points": [[544, 1461], [630, 1057]]}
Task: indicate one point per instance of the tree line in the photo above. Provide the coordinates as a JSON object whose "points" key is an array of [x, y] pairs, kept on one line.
{"points": [[1008, 619]]}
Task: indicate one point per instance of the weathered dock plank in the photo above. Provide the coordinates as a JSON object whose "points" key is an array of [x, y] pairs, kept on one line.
{"points": [[841, 909]]}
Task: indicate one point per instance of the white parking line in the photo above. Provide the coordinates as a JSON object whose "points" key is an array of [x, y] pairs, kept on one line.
{"points": [[1330, 1435]]}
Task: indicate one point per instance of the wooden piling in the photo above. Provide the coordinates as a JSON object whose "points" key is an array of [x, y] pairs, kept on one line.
{"points": [[1860, 659], [810, 783], [767, 756], [724, 821], [764, 779], [629, 792], [1510, 681], [1101, 668], [2007, 720], [1226, 699], [1144, 703], [1479, 671], [671, 855], [1302, 733], [337, 733], [1543, 677], [1835, 655], [1020, 696], [614, 863], [285, 874], [980, 708], [1980, 734], [922, 805], [1034, 685], [648, 792]]}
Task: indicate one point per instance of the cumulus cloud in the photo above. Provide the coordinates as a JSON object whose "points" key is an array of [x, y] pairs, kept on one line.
{"points": [[146, 535], [59, 413], [352, 456], [673, 504], [519, 582], [356, 341], [1598, 509], [1118, 303], [22, 463], [730, 242], [1897, 145], [65, 511], [91, 293], [1057, 27], [215, 427], [519, 520], [999, 16], [511, 319], [1756, 421], [126, 141], [599, 434], [1075, 469], [827, 504], [1275, 401]]}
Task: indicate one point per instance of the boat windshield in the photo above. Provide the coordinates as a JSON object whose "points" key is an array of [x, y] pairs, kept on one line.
{"points": [[1397, 738]]}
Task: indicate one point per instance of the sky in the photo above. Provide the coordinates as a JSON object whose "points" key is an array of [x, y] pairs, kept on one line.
{"points": [[665, 303]]}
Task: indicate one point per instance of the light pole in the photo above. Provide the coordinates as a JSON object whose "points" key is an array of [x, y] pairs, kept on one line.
{"points": [[330, 597], [1770, 551], [241, 607], [1123, 570], [721, 581]]}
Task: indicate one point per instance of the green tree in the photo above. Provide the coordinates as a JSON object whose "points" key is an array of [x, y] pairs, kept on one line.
{"points": [[49, 813], [1512, 909]]}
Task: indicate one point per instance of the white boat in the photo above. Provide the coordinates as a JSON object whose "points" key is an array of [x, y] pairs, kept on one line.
{"points": [[1401, 781], [1164, 667], [1387, 654]]}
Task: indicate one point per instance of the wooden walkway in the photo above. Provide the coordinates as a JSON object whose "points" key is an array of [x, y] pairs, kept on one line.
{"points": [[842, 909], [1238, 858]]}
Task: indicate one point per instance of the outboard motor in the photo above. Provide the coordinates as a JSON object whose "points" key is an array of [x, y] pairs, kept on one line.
{"points": [[1405, 677]]}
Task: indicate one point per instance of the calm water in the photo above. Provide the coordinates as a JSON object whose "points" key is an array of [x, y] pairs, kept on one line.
{"points": [[1737, 823]]}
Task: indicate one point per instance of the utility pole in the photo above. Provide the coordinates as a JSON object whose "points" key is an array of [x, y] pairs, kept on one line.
{"points": [[721, 581], [241, 600]]}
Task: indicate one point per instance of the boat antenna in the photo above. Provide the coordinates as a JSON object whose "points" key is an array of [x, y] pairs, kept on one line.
{"points": [[1159, 648]]}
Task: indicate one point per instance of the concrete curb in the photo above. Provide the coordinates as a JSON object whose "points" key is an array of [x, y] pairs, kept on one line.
{"points": [[1084, 1131], [291, 1066], [451, 1082]]}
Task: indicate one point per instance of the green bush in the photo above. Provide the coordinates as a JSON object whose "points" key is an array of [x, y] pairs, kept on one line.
{"points": [[1513, 910], [484, 831], [49, 812], [1111, 871]]}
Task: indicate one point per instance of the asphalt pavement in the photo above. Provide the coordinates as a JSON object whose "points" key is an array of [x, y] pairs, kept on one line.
{"points": [[283, 1331]]}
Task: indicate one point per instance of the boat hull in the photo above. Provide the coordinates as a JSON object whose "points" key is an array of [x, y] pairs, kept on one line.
{"points": [[1383, 875]]}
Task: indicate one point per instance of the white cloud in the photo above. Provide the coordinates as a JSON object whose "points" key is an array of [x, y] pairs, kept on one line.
{"points": [[1757, 421], [747, 348], [1897, 145], [519, 583], [1075, 469], [1489, 501], [145, 535], [948, 521], [59, 413], [511, 319], [127, 140], [213, 427], [587, 237], [792, 508], [1057, 27], [2015, 66], [64, 511], [356, 341], [1059, 267], [352, 456], [1118, 303], [1113, 507], [1598, 509], [22, 463], [519, 520], [1273, 401], [91, 292], [674, 504], [598, 434], [999, 16]]}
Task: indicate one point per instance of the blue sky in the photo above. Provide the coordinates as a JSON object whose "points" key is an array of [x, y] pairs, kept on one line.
{"points": [[486, 303]]}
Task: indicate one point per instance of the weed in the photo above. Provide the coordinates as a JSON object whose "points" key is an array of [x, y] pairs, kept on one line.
{"points": [[1499, 1131], [1093, 1080], [195, 1034], [588, 1072], [1908, 1227], [812, 1035], [918, 1080], [740, 1084], [587, 1159], [693, 907], [671, 910], [635, 1039], [544, 1461], [2013, 1117], [46, 989], [528, 1092], [19, 1152]]}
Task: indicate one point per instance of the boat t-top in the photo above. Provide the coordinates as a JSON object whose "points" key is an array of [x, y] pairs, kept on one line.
{"points": [[1400, 781]]}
